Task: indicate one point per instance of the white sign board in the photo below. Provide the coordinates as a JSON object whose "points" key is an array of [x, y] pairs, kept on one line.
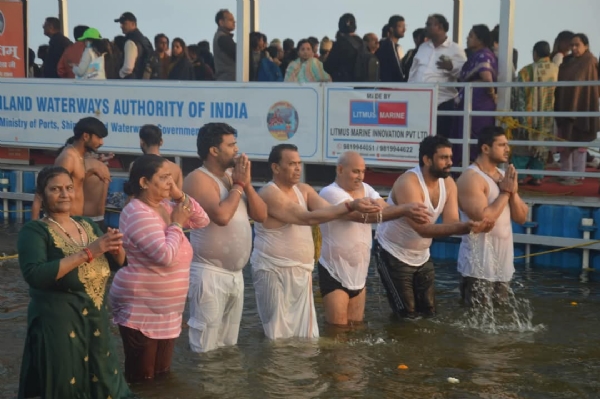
{"points": [[41, 113], [384, 125]]}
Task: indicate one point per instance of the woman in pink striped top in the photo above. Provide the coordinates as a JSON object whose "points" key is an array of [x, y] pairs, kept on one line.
{"points": [[148, 295]]}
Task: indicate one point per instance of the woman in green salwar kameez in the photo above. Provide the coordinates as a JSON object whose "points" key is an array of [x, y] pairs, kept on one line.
{"points": [[69, 351]]}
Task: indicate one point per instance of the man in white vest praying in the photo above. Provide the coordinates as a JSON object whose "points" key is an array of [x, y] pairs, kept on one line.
{"points": [[486, 261]]}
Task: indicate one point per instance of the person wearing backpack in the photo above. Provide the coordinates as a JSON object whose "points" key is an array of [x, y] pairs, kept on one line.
{"points": [[349, 59], [92, 63]]}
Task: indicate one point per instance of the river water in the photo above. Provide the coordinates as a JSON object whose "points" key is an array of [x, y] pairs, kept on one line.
{"points": [[554, 354]]}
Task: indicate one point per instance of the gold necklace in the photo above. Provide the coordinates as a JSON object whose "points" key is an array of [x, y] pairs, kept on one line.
{"points": [[497, 181], [67, 233]]}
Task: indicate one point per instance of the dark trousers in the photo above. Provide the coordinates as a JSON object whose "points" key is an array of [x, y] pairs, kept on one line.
{"points": [[410, 289], [445, 122], [477, 292], [145, 358]]}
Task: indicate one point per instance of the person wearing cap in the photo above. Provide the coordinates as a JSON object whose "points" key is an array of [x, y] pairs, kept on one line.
{"points": [[92, 63], [88, 136], [138, 48], [72, 54]]}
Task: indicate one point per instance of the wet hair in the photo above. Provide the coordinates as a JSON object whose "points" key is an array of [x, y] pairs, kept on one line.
{"points": [[145, 166], [221, 15], [442, 21], [79, 30], [151, 135], [542, 49], [45, 175], [276, 152], [89, 125], [430, 145], [488, 136], [583, 37], [211, 135], [288, 45], [54, 23], [347, 23], [393, 21], [385, 31], [160, 36], [482, 32]]}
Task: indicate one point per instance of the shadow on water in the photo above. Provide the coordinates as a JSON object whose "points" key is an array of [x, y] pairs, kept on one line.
{"points": [[555, 356]]}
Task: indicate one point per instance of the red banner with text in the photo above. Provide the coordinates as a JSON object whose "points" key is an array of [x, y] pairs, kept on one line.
{"points": [[12, 40]]}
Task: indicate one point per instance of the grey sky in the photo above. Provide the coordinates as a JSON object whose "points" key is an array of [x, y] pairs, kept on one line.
{"points": [[193, 20]]}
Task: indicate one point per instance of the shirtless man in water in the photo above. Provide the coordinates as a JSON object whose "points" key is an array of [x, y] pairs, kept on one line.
{"points": [[150, 143], [88, 136], [95, 191]]}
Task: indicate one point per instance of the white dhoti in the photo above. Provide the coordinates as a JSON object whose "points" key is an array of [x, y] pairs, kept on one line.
{"points": [[285, 300], [216, 302]]}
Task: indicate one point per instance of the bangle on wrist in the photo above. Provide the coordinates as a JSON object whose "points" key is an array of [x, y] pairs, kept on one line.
{"points": [[177, 225], [180, 200], [90, 257], [242, 185], [235, 189], [506, 192], [348, 206]]}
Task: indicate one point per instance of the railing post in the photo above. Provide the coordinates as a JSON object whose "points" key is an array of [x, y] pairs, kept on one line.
{"points": [[505, 51], [528, 231], [242, 59], [466, 133], [457, 23], [19, 189]]}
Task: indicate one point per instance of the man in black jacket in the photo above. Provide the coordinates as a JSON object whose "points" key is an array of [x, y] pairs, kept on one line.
{"points": [[138, 48], [56, 47], [390, 53]]}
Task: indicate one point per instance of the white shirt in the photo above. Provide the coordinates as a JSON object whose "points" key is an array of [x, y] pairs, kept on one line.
{"points": [[425, 70], [346, 245], [225, 247], [400, 240], [130, 54], [290, 245]]}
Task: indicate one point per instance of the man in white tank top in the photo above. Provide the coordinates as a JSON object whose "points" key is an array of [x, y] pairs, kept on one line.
{"points": [[346, 244], [403, 253], [221, 250], [486, 261], [283, 255]]}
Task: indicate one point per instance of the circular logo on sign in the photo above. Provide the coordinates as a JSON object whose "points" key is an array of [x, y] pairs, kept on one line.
{"points": [[282, 120], [2, 23]]}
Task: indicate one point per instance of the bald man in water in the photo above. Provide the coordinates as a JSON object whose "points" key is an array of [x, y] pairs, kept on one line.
{"points": [[346, 248]]}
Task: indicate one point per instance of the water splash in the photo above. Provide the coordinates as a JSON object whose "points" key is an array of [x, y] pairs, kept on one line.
{"points": [[495, 308]]}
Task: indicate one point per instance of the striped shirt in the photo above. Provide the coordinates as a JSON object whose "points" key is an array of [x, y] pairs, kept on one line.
{"points": [[149, 293]]}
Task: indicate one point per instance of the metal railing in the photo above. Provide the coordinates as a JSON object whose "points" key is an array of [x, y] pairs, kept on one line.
{"points": [[528, 239]]}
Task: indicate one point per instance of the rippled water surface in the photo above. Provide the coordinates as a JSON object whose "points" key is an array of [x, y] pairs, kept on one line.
{"points": [[554, 354]]}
